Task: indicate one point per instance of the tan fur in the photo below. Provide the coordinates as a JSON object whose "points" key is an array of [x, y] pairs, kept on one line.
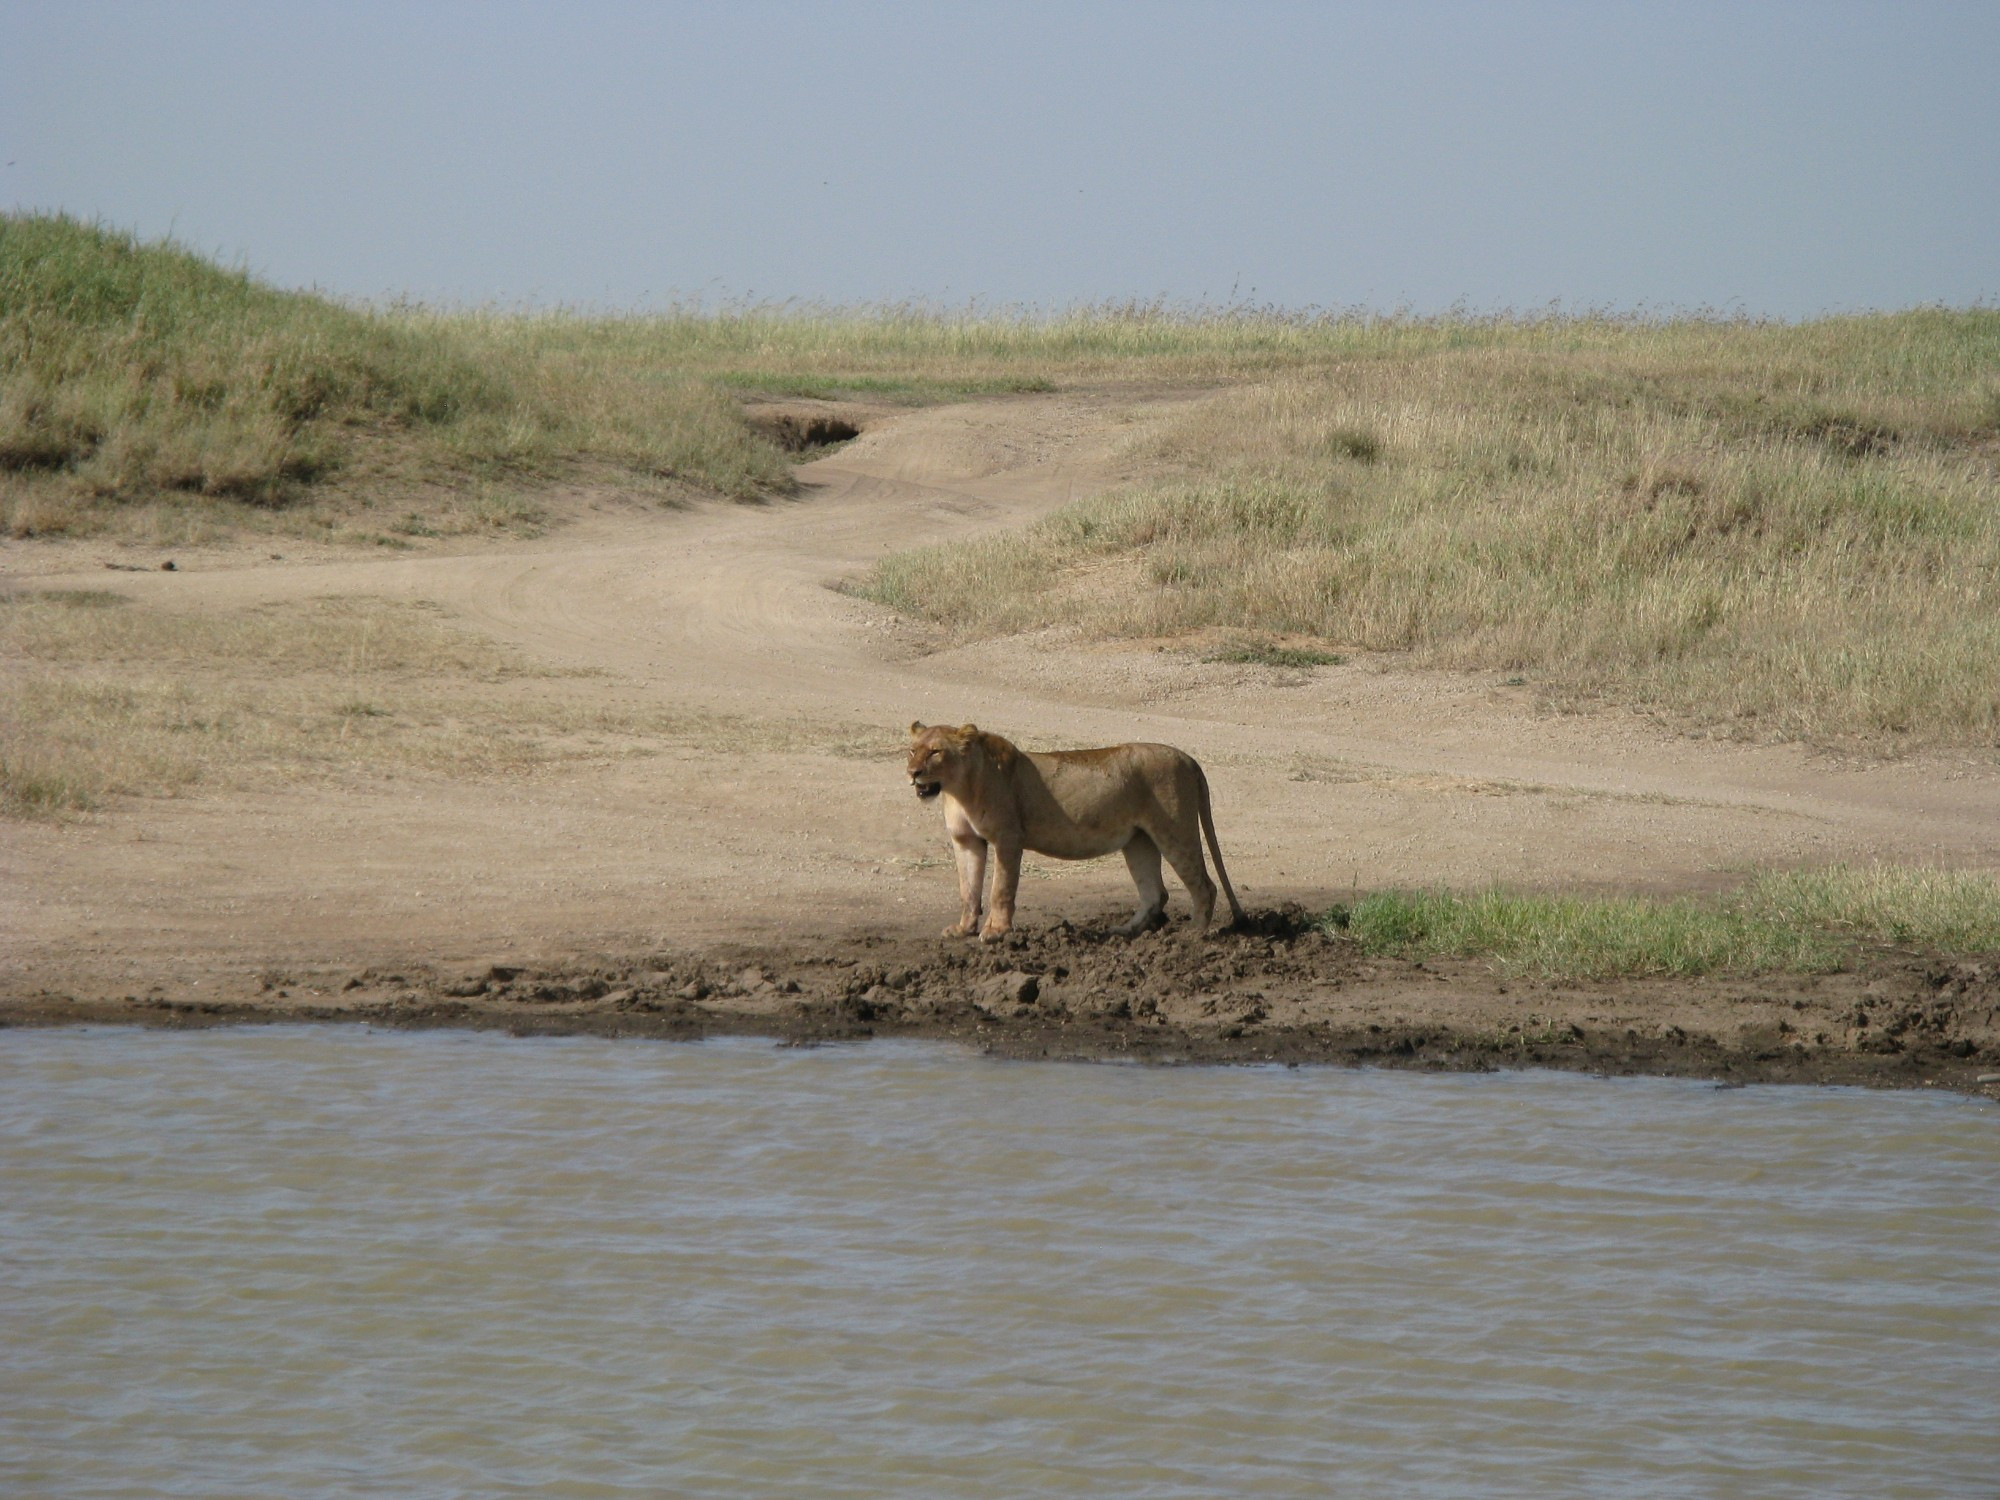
{"points": [[1148, 801]]}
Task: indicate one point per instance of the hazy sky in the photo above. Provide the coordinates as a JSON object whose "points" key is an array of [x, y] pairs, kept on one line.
{"points": [[1779, 159]]}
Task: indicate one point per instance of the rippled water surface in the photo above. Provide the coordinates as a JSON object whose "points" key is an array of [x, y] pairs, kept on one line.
{"points": [[322, 1262]]}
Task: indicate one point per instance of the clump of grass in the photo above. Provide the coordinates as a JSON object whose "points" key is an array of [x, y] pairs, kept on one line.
{"points": [[491, 510], [1766, 531], [1944, 911], [1254, 653], [1357, 443], [72, 598], [32, 786], [1804, 922]]}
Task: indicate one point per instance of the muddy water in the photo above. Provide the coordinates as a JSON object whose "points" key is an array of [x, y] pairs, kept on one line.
{"points": [[317, 1262]]}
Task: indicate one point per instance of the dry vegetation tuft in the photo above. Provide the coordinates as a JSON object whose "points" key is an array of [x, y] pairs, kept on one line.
{"points": [[1767, 530]]}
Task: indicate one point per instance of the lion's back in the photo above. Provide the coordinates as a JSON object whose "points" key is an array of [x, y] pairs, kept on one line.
{"points": [[1109, 788]]}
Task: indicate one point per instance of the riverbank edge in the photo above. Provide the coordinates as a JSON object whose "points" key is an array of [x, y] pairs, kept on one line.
{"points": [[1063, 994]]}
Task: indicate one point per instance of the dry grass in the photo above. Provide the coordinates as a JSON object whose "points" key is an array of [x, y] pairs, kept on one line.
{"points": [[1764, 530], [354, 639], [1773, 531], [101, 698], [106, 697]]}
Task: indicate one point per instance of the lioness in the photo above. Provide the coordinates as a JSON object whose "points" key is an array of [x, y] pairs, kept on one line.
{"points": [[1147, 800]]}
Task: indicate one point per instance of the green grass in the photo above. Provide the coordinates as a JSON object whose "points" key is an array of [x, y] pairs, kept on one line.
{"points": [[1799, 922]]}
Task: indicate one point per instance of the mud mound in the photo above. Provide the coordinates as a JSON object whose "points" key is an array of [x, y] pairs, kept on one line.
{"points": [[1277, 990]]}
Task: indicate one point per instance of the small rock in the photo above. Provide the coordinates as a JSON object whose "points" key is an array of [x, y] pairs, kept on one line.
{"points": [[1007, 994], [1988, 1078], [466, 988], [753, 979], [695, 990], [1022, 989], [168, 566]]}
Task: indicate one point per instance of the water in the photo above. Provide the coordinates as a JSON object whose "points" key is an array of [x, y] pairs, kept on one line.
{"points": [[323, 1262]]}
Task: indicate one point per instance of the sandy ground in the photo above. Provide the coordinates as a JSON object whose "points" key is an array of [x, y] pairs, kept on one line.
{"points": [[789, 830]]}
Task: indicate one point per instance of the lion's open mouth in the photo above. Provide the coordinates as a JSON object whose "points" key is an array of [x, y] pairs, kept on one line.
{"points": [[928, 789]]}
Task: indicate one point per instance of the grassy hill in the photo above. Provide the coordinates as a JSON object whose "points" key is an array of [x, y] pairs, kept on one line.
{"points": [[132, 373]]}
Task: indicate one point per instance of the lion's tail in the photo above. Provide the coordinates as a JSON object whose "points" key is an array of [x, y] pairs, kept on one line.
{"points": [[1215, 849]]}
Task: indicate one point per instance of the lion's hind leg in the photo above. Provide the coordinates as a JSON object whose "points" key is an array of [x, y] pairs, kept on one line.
{"points": [[1187, 862], [1142, 858]]}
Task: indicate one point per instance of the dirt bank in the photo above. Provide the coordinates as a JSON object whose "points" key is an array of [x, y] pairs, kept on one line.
{"points": [[1282, 992]]}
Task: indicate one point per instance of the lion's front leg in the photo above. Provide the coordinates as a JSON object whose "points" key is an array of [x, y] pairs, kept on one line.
{"points": [[1006, 880], [969, 849]]}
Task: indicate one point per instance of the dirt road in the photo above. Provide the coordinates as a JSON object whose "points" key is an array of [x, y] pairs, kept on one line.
{"points": [[787, 821]]}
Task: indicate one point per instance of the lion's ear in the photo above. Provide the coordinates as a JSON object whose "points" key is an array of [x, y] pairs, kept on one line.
{"points": [[968, 731], [916, 727]]}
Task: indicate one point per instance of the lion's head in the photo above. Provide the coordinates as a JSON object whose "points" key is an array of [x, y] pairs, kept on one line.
{"points": [[941, 757], [937, 754]]}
